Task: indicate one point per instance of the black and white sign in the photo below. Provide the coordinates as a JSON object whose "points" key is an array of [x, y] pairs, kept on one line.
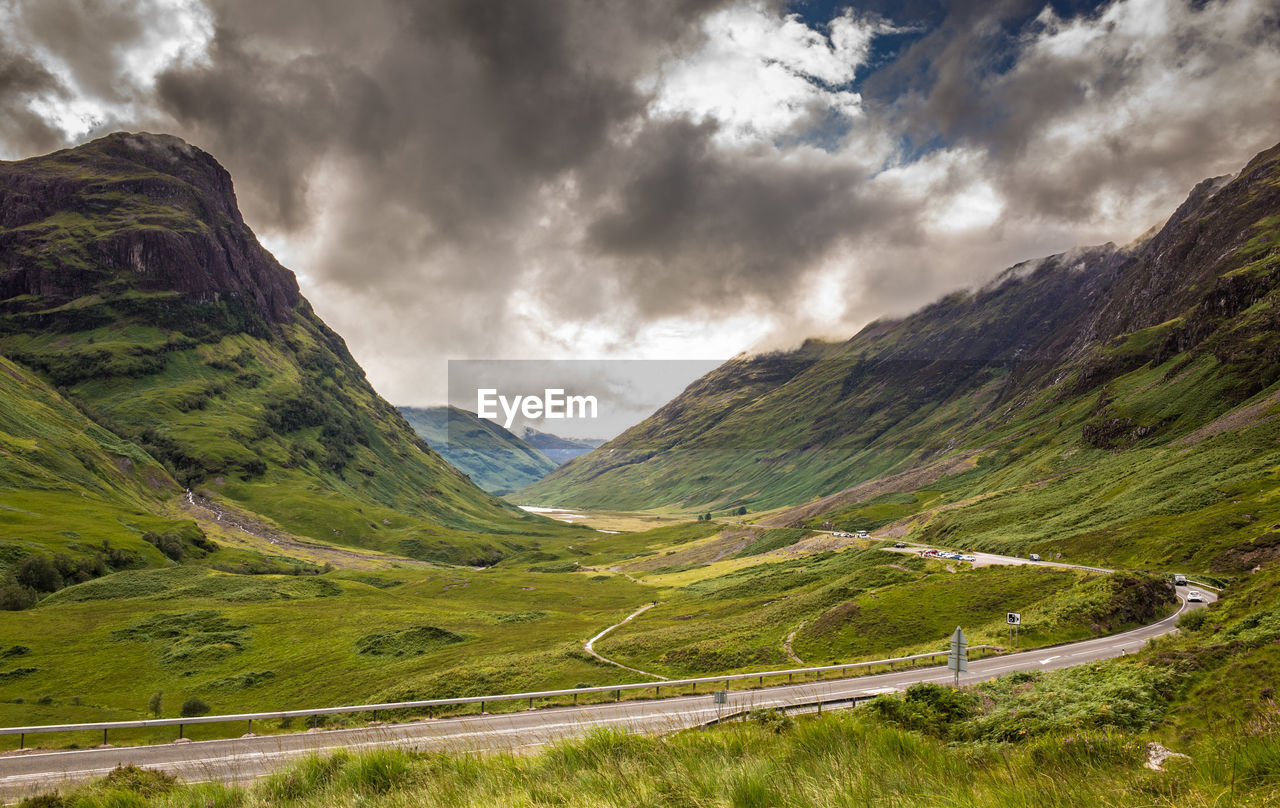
{"points": [[1014, 618]]}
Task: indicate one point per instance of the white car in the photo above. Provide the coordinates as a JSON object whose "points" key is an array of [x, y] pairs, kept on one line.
{"points": [[1195, 596]]}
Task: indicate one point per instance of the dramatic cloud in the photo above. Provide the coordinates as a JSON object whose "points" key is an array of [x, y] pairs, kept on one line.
{"points": [[681, 178]]}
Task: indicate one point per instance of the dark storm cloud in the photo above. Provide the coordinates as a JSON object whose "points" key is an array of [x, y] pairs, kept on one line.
{"points": [[456, 107], [467, 179], [274, 116], [89, 38], [681, 213], [22, 130]]}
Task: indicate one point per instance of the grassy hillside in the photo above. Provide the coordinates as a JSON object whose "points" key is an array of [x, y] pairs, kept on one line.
{"points": [[99, 650], [1048, 410], [132, 284], [71, 490], [1075, 737], [494, 459]]}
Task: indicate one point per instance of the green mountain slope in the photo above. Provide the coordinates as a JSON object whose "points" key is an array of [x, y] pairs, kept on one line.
{"points": [[494, 458], [1089, 360], [131, 282], [69, 486]]}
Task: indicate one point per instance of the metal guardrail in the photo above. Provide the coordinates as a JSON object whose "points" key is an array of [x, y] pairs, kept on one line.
{"points": [[738, 715], [790, 673]]}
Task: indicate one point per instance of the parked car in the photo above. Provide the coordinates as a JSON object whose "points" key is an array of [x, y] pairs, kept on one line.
{"points": [[1195, 596], [899, 544]]}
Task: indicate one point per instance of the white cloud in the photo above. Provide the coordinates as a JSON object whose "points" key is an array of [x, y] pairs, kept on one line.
{"points": [[762, 76]]}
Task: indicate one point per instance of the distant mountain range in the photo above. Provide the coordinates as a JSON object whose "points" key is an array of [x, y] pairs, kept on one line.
{"points": [[1064, 374], [493, 457], [152, 345], [559, 449]]}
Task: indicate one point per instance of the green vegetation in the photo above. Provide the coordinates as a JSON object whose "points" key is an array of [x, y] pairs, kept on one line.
{"points": [[839, 759], [100, 650], [772, 540], [412, 641], [1078, 736]]}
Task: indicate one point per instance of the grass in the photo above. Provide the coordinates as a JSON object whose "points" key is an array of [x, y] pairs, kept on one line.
{"points": [[865, 604], [836, 760], [101, 649], [1072, 737]]}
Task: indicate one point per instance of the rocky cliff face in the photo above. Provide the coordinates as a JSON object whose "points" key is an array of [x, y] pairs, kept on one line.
{"points": [[131, 212]]}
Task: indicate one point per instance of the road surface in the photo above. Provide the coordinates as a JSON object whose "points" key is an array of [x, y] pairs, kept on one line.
{"points": [[243, 759], [989, 559]]}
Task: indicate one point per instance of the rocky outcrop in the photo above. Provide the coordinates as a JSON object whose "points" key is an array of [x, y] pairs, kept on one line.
{"points": [[131, 212]]}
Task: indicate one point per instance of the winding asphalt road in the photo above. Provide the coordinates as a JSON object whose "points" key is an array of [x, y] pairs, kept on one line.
{"points": [[243, 759]]}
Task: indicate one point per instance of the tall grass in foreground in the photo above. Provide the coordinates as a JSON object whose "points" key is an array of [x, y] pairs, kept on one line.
{"points": [[836, 760]]}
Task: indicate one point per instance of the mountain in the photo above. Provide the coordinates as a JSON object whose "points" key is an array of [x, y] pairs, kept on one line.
{"points": [[561, 450], [1048, 373], [494, 459], [130, 283]]}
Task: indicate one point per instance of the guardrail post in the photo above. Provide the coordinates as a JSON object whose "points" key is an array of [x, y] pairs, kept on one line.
{"points": [[695, 688], [617, 695], [530, 704], [104, 737], [482, 708], [250, 726], [657, 691], [22, 737], [179, 732], [789, 675], [762, 681], [575, 699]]}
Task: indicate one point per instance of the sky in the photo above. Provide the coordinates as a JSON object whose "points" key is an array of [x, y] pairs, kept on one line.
{"points": [[669, 179]]}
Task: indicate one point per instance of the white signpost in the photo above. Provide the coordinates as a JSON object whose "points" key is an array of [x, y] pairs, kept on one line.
{"points": [[1014, 619], [958, 658]]}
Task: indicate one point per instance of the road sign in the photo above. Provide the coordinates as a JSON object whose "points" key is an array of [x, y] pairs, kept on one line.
{"points": [[958, 658], [722, 698], [1013, 618]]}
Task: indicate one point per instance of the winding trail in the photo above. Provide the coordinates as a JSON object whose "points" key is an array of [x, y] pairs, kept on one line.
{"points": [[589, 645], [786, 644], [629, 577]]}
